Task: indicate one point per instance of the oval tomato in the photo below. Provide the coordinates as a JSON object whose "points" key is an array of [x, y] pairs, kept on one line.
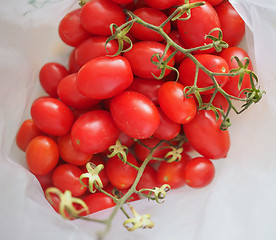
{"points": [[72, 63], [161, 4]]}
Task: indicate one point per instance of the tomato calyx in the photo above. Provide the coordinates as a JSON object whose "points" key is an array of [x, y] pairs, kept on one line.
{"points": [[119, 150], [156, 193]]}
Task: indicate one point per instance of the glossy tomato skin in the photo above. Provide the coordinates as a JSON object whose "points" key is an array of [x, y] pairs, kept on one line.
{"points": [[206, 137], [161, 4], [94, 18], [193, 31], [175, 36], [173, 103], [73, 66], [215, 2], [94, 132], [213, 63], [135, 114], [140, 55], [104, 77], [52, 116], [42, 155], [199, 172]]}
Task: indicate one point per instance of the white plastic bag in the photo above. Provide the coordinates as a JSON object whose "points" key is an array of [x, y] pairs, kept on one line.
{"points": [[240, 202]]}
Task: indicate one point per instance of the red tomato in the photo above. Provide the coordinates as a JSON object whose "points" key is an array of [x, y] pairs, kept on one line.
{"points": [[72, 63], [69, 94], [45, 180], [135, 114], [214, 2], [199, 172], [219, 101], [104, 77], [161, 4], [126, 140], [66, 177], [193, 31], [213, 63], [148, 179], [122, 1], [70, 29], [232, 25], [94, 132], [175, 36], [52, 116], [50, 75], [120, 192], [42, 155], [27, 131], [231, 87], [94, 18], [173, 103], [206, 137], [154, 17], [140, 55], [94, 47], [120, 174]]}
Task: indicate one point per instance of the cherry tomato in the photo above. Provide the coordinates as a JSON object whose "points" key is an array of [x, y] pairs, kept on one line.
{"points": [[72, 63], [219, 101], [173, 103], [50, 75], [214, 2], [140, 56], [199, 172], [52, 116], [135, 114], [94, 132], [161, 4], [42, 155], [104, 77], [122, 1], [45, 180], [206, 137], [148, 179], [175, 36], [94, 18], [125, 140]]}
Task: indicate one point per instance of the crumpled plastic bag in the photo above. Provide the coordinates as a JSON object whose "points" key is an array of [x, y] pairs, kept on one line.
{"points": [[239, 204]]}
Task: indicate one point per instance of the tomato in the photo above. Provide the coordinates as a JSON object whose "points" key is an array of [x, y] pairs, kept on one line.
{"points": [[94, 132], [172, 173], [97, 15], [120, 174], [161, 4], [135, 114], [70, 29], [45, 180], [231, 86], [193, 31], [122, 1], [214, 2], [232, 25], [151, 16], [42, 155], [66, 177], [69, 94], [72, 63], [94, 47], [206, 137], [219, 101], [120, 192], [50, 75], [104, 77], [27, 131], [199, 172], [175, 36], [52, 116], [125, 140], [148, 179], [213, 63], [140, 55], [173, 103]]}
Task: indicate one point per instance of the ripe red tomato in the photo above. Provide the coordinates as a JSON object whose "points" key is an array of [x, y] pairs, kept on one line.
{"points": [[122, 1], [52, 116], [206, 137], [104, 77], [72, 63], [135, 114], [50, 75], [120, 174], [140, 55], [175, 36], [173, 103], [199, 172], [213, 63], [94, 18], [42, 155], [215, 2], [161, 4], [148, 179], [45, 180], [219, 101]]}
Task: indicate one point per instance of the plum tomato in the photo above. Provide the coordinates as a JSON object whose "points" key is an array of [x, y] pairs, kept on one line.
{"points": [[104, 77], [199, 172], [42, 155], [135, 114], [206, 137], [94, 132]]}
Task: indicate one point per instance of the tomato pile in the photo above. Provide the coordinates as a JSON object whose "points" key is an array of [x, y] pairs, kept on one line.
{"points": [[133, 93]]}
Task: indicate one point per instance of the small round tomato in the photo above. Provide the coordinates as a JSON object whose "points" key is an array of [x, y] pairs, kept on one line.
{"points": [[52, 116], [42, 155], [104, 77], [199, 172], [174, 104], [135, 114], [205, 135], [94, 132], [120, 174]]}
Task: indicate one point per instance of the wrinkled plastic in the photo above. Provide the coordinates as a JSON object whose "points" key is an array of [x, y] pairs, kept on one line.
{"points": [[239, 204]]}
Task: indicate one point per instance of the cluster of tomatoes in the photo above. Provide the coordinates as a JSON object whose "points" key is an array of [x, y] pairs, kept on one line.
{"points": [[98, 99]]}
